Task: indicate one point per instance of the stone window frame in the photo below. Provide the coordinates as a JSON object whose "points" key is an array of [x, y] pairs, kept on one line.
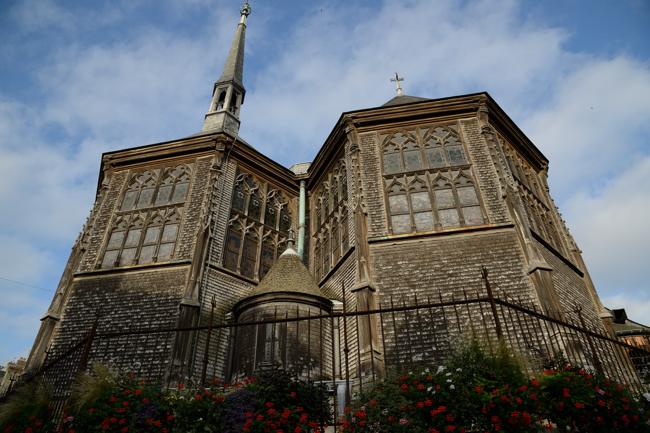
{"points": [[167, 176], [152, 232], [531, 188], [250, 233], [157, 179], [330, 200], [423, 144]]}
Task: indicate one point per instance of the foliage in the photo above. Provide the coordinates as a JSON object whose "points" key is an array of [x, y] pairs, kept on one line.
{"points": [[28, 409], [577, 400], [476, 391], [108, 402]]}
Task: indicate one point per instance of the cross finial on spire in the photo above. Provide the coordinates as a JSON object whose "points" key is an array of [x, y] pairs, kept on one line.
{"points": [[245, 12], [398, 86]]}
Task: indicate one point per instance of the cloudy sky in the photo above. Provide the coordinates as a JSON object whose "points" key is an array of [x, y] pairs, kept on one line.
{"points": [[80, 78]]}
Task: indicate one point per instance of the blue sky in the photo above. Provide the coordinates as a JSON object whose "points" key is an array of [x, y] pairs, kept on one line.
{"points": [[81, 78]]}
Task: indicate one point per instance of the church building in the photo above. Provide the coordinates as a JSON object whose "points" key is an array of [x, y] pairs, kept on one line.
{"points": [[408, 200]]}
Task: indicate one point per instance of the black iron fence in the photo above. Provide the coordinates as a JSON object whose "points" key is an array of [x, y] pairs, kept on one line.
{"points": [[349, 349]]}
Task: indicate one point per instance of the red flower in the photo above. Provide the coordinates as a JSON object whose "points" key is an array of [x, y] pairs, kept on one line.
{"points": [[478, 389], [181, 386], [138, 391], [535, 383], [124, 429], [293, 394], [565, 392], [451, 428], [579, 405]]}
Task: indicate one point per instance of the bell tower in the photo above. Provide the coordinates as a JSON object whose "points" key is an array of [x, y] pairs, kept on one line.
{"points": [[228, 91]]}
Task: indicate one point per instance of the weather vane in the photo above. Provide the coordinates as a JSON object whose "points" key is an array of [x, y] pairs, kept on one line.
{"points": [[398, 86]]}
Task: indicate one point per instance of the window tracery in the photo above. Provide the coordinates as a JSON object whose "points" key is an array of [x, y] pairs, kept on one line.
{"points": [[530, 188], [149, 217], [428, 181], [157, 187], [142, 238], [330, 225], [258, 227]]}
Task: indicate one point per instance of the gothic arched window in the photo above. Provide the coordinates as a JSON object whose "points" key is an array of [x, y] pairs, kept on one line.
{"points": [[330, 222], [153, 188], [140, 191], [174, 186], [259, 223], [136, 239], [429, 195]]}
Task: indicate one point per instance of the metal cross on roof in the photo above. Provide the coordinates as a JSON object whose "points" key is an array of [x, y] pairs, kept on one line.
{"points": [[398, 86]]}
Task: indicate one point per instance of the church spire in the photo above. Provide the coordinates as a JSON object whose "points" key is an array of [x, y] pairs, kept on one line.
{"points": [[228, 91]]}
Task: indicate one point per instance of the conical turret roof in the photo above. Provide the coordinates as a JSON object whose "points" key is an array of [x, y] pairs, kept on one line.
{"points": [[288, 274]]}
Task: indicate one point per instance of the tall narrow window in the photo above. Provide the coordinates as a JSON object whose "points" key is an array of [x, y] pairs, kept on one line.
{"points": [[233, 244], [329, 227], [268, 256], [220, 100], [265, 214], [249, 255]]}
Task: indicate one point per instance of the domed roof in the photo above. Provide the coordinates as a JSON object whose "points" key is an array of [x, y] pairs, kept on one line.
{"points": [[288, 274]]}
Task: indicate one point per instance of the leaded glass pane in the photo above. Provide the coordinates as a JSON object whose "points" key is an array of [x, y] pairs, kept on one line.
{"points": [[116, 240], [391, 163], [420, 201], [146, 195], [285, 220], [398, 204], [423, 221], [456, 155], [345, 237], [255, 207], [249, 256], [473, 215], [180, 192], [129, 200], [434, 156], [169, 233], [128, 256], [165, 252], [239, 199], [467, 196], [133, 238], [109, 259], [412, 160], [146, 254], [151, 236], [449, 218], [401, 224], [164, 193], [270, 215], [232, 250], [444, 198], [266, 260]]}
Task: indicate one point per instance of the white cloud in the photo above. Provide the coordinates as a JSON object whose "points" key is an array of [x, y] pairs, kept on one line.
{"points": [[637, 308], [596, 125], [611, 228], [333, 64]]}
